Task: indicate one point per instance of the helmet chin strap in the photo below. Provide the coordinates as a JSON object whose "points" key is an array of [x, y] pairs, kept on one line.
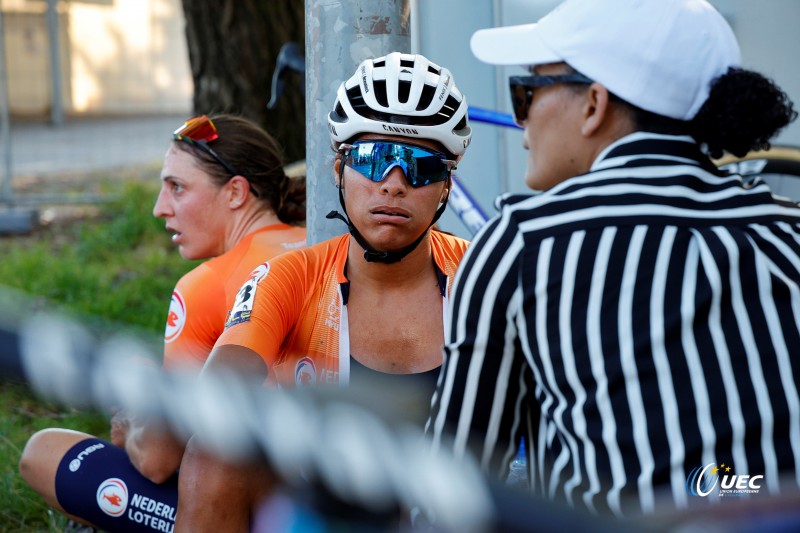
{"points": [[371, 255]]}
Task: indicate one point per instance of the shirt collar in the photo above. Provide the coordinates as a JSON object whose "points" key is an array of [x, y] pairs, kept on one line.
{"points": [[674, 147]]}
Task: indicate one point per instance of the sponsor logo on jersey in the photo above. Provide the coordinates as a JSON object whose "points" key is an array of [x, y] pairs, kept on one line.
{"points": [[332, 320], [305, 372], [260, 272], [243, 305], [176, 318], [294, 245], [75, 464], [112, 497], [328, 377]]}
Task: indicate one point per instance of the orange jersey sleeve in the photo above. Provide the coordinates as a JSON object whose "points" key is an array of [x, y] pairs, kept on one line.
{"points": [[291, 312], [290, 307], [194, 321], [202, 297]]}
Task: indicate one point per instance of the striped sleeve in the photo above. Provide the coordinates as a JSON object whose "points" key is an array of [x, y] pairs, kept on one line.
{"points": [[482, 358]]}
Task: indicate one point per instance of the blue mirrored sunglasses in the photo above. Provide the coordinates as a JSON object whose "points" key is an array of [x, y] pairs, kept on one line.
{"points": [[375, 159]]}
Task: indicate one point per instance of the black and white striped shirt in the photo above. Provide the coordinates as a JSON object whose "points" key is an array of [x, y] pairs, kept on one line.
{"points": [[632, 323]]}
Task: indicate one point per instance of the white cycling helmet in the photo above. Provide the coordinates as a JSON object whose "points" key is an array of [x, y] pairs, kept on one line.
{"points": [[401, 94]]}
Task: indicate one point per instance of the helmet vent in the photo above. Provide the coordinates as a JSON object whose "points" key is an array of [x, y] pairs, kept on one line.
{"points": [[425, 99], [355, 98], [461, 124], [379, 86], [403, 90], [338, 113], [449, 108]]}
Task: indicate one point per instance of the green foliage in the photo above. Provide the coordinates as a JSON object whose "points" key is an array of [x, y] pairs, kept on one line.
{"points": [[115, 270], [21, 509], [120, 266]]}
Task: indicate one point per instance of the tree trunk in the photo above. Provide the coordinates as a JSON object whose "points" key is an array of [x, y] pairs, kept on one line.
{"points": [[233, 46]]}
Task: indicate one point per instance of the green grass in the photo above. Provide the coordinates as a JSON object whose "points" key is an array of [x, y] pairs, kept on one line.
{"points": [[120, 266], [23, 414], [113, 271]]}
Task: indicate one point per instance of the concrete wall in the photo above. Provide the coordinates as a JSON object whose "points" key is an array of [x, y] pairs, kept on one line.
{"points": [[28, 61], [117, 57], [129, 57], [495, 162]]}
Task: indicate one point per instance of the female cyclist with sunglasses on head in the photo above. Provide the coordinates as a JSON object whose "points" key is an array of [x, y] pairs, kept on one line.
{"points": [[225, 196], [364, 305]]}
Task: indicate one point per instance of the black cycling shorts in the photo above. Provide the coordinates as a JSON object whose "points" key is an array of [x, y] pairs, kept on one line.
{"points": [[97, 482]]}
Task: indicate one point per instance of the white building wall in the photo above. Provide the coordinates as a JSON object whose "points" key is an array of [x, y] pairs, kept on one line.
{"points": [[129, 57], [121, 57]]}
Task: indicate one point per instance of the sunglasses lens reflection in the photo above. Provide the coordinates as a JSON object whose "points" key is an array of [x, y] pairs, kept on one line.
{"points": [[419, 165], [198, 129]]}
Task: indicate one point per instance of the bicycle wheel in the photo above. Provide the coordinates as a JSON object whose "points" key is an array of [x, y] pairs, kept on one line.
{"points": [[779, 167]]}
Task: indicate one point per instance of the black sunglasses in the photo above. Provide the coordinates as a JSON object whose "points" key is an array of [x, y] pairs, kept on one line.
{"points": [[522, 90]]}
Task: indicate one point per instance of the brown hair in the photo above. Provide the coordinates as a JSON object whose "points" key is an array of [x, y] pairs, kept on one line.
{"points": [[259, 158]]}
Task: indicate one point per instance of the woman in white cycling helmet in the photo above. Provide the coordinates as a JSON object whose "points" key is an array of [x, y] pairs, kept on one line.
{"points": [[368, 305]]}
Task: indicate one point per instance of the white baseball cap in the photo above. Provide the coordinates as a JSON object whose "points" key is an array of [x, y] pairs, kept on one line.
{"points": [[659, 55]]}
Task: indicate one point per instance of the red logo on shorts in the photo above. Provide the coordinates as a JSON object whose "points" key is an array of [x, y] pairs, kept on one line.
{"points": [[112, 497]]}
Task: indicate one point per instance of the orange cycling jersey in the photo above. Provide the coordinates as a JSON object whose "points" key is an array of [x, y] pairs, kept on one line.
{"points": [[203, 296], [293, 310]]}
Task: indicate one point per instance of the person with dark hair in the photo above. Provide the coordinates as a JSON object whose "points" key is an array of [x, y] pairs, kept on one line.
{"points": [[236, 231], [364, 306], [637, 322], [224, 196]]}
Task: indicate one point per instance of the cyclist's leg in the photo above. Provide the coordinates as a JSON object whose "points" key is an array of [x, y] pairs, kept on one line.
{"points": [[94, 481], [216, 495], [40, 459]]}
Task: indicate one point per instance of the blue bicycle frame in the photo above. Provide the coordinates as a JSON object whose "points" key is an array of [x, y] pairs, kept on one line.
{"points": [[461, 201]]}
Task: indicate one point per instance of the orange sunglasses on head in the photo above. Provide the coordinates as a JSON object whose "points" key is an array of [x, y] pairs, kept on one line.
{"points": [[199, 131]]}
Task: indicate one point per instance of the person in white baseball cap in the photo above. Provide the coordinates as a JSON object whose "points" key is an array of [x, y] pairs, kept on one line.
{"points": [[619, 320], [658, 55]]}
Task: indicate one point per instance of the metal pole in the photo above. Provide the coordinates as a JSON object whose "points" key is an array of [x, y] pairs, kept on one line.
{"points": [[501, 86], [339, 35], [13, 219], [56, 108], [5, 122], [414, 27]]}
